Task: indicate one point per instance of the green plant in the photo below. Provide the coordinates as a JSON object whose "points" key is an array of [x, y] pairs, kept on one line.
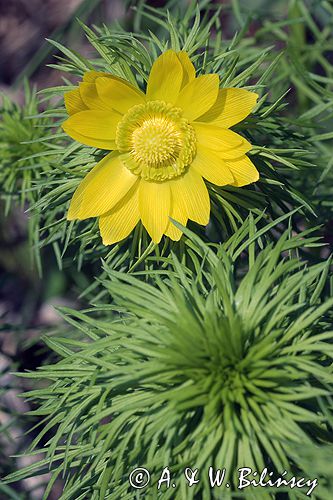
{"points": [[208, 365], [24, 148], [214, 351]]}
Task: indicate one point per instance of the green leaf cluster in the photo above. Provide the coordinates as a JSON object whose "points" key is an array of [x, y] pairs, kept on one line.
{"points": [[206, 365], [23, 148]]}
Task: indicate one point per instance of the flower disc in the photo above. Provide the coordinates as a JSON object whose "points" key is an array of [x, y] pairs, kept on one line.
{"points": [[157, 141]]}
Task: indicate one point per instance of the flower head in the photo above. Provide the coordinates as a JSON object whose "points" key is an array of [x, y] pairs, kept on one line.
{"points": [[163, 143]]}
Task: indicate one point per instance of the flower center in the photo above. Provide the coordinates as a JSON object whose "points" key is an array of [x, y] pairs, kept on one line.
{"points": [[157, 142]]}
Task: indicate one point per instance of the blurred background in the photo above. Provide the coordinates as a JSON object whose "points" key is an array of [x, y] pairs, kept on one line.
{"points": [[27, 296]]}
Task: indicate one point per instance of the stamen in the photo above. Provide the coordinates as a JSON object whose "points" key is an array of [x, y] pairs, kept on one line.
{"points": [[157, 141]]}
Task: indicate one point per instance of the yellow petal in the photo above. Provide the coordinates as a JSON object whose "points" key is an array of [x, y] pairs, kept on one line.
{"points": [[210, 165], [102, 188], [188, 68], [192, 196], [231, 107], [122, 219], [73, 102], [89, 141], [216, 138], [90, 97], [232, 154], [177, 213], [154, 206], [165, 78], [94, 123], [243, 171], [198, 96], [118, 94], [90, 76]]}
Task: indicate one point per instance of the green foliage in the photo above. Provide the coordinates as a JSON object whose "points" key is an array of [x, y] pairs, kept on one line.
{"points": [[23, 148], [206, 365], [7, 441], [316, 462], [302, 36]]}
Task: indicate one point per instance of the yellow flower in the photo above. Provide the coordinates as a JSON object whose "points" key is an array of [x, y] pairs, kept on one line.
{"points": [[163, 144]]}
